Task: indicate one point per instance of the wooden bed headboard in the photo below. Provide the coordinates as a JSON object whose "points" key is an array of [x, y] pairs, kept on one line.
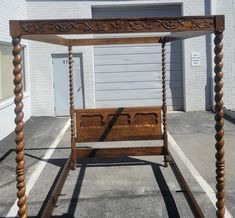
{"points": [[118, 124]]}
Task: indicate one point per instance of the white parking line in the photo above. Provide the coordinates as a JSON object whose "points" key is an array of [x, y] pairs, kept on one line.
{"points": [[202, 182], [172, 143], [32, 179]]}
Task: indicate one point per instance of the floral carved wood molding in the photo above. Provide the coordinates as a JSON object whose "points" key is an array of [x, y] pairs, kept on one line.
{"points": [[115, 26]]}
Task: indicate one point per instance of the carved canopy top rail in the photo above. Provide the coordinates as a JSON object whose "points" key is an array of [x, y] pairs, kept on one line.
{"points": [[58, 40], [117, 25]]}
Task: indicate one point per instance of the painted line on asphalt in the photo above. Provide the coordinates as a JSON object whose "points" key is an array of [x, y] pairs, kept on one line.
{"points": [[33, 177], [200, 180]]}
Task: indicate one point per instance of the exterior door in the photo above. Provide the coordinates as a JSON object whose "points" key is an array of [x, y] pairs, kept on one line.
{"points": [[61, 83]]}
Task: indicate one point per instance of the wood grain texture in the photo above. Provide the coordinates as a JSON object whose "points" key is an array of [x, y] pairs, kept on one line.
{"points": [[118, 152], [19, 130], [195, 208], [218, 78], [118, 25], [118, 124], [164, 103], [117, 41], [56, 190], [48, 39], [71, 98]]}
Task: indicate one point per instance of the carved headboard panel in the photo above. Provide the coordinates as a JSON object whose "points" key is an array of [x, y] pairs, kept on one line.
{"points": [[118, 124]]}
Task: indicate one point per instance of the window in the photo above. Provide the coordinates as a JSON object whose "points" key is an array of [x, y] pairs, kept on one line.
{"points": [[6, 71]]}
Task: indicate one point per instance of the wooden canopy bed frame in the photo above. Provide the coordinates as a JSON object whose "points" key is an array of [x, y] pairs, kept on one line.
{"points": [[116, 124]]}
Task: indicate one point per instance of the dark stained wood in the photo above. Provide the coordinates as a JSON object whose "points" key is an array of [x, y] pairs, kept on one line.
{"points": [[218, 78], [71, 102], [118, 124], [219, 23], [58, 40], [124, 135], [164, 104], [118, 152], [195, 208], [121, 40], [51, 203], [52, 39], [115, 25], [19, 130]]}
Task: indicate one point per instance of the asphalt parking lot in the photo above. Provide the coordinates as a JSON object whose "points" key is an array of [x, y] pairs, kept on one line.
{"points": [[119, 187]]}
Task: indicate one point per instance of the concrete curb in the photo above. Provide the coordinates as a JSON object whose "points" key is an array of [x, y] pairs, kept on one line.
{"points": [[230, 113]]}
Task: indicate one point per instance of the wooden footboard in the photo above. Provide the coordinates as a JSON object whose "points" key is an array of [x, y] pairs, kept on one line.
{"points": [[118, 124]]}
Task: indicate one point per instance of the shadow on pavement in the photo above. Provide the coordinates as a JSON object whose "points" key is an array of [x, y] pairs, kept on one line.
{"points": [[109, 162]]}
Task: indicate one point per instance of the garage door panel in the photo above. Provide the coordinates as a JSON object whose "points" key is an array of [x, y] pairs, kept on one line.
{"points": [[131, 75], [137, 76], [140, 49], [136, 94], [141, 11], [136, 85], [136, 68], [133, 59], [175, 104]]}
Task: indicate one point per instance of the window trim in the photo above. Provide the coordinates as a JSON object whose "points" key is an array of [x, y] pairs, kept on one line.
{"points": [[5, 102]]}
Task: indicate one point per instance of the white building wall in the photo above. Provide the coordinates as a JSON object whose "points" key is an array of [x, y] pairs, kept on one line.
{"points": [[227, 7], [40, 55], [9, 10], [197, 80]]}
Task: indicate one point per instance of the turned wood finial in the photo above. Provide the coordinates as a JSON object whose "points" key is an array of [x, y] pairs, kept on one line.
{"points": [[71, 95], [19, 130], [219, 136], [164, 103]]}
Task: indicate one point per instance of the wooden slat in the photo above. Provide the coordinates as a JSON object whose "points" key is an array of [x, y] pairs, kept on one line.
{"points": [[89, 136], [194, 206], [118, 152], [118, 124], [114, 41], [52, 39], [110, 110], [58, 40], [50, 204]]}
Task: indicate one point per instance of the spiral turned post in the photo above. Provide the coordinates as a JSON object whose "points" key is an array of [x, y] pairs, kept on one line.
{"points": [[19, 130], [71, 95], [164, 103], [219, 136]]}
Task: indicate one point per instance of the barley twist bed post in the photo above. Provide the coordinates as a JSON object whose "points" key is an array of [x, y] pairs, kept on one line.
{"points": [[71, 95], [218, 78], [164, 103], [19, 130], [147, 119]]}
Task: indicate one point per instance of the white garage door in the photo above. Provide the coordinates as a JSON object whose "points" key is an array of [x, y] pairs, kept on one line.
{"points": [[130, 75]]}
